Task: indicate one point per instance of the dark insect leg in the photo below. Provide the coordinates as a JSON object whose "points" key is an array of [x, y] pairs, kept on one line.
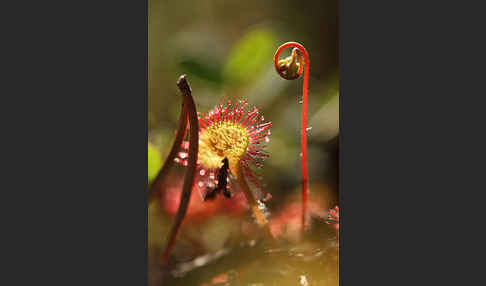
{"points": [[210, 194], [227, 193]]}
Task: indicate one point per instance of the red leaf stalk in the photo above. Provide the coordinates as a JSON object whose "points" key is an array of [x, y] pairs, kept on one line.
{"points": [[252, 201]]}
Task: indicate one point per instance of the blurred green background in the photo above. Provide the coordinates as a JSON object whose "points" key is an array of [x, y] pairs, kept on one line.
{"points": [[226, 49]]}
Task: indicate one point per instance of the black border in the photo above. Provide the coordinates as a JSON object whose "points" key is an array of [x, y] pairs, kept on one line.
{"points": [[77, 74], [404, 175]]}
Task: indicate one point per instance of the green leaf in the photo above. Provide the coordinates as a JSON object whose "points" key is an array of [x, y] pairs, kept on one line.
{"points": [[197, 67], [250, 56], [154, 162]]}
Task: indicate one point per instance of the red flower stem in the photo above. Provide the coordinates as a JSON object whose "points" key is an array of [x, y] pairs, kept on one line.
{"points": [[304, 119], [169, 162], [192, 164]]}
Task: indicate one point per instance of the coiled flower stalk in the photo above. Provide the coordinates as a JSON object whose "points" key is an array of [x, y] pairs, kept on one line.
{"points": [[291, 68]]}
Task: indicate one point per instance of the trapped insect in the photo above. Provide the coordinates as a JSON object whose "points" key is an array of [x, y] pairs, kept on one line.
{"points": [[222, 182]]}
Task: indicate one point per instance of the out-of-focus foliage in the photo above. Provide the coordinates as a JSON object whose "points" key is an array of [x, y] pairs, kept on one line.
{"points": [[203, 69], [154, 162], [249, 56]]}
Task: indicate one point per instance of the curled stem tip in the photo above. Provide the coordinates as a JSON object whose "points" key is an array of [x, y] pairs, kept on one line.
{"points": [[191, 115], [291, 68]]}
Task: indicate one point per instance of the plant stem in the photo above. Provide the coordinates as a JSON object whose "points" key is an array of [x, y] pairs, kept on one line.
{"points": [[259, 216], [176, 146], [190, 108], [304, 119]]}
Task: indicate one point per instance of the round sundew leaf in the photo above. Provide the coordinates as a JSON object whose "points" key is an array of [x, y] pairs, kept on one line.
{"points": [[154, 162]]}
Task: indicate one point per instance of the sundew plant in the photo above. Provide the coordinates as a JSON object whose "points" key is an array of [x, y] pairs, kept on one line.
{"points": [[217, 220], [220, 151]]}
